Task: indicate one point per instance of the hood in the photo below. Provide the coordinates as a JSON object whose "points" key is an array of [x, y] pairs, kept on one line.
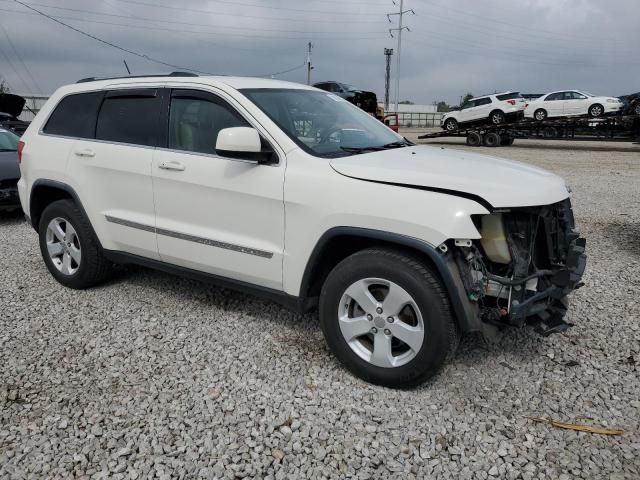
{"points": [[500, 183], [11, 104], [9, 168]]}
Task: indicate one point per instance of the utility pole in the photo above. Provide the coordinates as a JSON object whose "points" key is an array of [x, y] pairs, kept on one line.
{"points": [[387, 77], [309, 66], [399, 29]]}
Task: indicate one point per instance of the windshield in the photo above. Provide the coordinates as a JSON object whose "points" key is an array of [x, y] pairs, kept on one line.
{"points": [[322, 123], [8, 141], [587, 94]]}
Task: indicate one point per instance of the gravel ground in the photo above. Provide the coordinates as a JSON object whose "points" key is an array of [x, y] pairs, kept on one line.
{"points": [[153, 375]]}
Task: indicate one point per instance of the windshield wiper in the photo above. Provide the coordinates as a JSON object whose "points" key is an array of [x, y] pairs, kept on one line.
{"points": [[398, 144], [361, 149]]}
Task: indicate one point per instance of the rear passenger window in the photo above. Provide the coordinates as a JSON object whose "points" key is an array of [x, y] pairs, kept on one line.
{"points": [[509, 96], [130, 117], [75, 115], [483, 101], [195, 120]]}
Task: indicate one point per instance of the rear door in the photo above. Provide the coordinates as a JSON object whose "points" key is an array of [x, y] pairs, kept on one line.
{"points": [[554, 104], [215, 214], [114, 168]]}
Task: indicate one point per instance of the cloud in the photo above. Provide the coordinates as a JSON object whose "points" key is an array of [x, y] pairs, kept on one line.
{"points": [[453, 47]]}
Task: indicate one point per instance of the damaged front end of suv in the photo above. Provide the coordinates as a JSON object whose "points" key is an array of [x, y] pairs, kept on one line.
{"points": [[523, 267]]}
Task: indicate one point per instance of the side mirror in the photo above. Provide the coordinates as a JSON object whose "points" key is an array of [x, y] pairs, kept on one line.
{"points": [[243, 143]]}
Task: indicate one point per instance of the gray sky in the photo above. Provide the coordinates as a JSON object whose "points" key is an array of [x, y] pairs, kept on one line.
{"points": [[454, 47]]}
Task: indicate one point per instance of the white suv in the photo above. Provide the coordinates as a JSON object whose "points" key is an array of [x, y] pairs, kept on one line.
{"points": [[493, 109], [293, 193]]}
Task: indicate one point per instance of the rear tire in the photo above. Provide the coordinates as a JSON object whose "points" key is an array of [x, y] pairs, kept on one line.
{"points": [[491, 139], [474, 139], [69, 247], [497, 117], [405, 300], [450, 124], [540, 114], [596, 110]]}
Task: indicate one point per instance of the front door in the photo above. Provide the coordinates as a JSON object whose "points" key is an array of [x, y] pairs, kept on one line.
{"points": [[575, 103], [214, 214]]}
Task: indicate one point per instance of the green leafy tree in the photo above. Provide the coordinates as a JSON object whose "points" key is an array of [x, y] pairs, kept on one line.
{"points": [[443, 106], [468, 96]]}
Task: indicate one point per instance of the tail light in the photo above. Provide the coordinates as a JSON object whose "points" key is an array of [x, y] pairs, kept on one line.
{"points": [[511, 102], [20, 148]]}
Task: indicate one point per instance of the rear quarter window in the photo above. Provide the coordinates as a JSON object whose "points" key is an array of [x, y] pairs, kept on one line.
{"points": [[75, 115], [508, 96]]}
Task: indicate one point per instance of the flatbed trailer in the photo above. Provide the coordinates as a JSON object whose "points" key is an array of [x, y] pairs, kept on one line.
{"points": [[612, 128]]}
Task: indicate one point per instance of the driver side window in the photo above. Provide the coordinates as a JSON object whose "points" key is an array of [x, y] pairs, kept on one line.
{"points": [[196, 118], [467, 104]]}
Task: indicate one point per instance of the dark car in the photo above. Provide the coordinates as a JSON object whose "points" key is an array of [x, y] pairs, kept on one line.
{"points": [[10, 108], [367, 101], [9, 171], [631, 104]]}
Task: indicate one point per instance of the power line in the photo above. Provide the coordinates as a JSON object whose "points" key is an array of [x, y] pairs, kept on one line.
{"points": [[192, 24], [218, 14], [519, 28], [217, 33], [297, 67], [113, 45], [19, 57], [242, 4], [15, 70], [131, 52]]}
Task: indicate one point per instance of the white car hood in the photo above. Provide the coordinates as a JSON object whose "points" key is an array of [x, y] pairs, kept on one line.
{"points": [[501, 183]]}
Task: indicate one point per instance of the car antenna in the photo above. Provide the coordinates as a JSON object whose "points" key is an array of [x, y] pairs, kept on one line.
{"points": [[126, 66]]}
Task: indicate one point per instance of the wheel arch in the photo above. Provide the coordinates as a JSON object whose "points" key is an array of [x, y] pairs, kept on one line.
{"points": [[44, 192], [339, 242]]}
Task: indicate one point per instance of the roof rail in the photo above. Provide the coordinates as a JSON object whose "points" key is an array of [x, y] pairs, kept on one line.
{"points": [[172, 74]]}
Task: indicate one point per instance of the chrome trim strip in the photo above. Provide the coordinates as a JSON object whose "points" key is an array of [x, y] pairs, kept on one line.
{"points": [[128, 223], [190, 238]]}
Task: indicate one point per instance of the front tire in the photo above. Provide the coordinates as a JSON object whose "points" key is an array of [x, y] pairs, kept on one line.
{"points": [[386, 316], [69, 247], [596, 110]]}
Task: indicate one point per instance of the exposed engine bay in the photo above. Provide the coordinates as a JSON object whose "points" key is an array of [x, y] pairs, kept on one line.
{"points": [[524, 266]]}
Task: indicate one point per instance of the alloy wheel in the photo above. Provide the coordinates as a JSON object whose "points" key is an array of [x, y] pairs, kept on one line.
{"points": [[63, 246], [381, 322]]}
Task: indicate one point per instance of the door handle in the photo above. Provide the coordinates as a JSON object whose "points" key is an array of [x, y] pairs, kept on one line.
{"points": [[175, 166], [85, 153]]}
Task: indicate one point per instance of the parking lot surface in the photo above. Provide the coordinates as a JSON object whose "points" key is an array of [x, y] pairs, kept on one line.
{"points": [[152, 374]]}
